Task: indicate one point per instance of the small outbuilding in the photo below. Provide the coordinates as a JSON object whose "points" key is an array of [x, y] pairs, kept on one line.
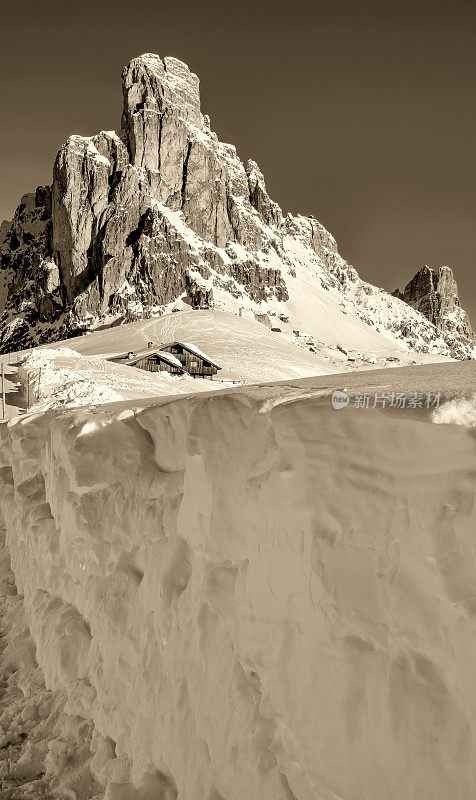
{"points": [[192, 360], [153, 360]]}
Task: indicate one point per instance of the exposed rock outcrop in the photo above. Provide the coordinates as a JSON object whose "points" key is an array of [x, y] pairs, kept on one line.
{"points": [[434, 293], [131, 215], [163, 210]]}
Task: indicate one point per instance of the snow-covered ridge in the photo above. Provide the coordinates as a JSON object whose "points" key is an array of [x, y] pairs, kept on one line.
{"points": [[151, 545]]}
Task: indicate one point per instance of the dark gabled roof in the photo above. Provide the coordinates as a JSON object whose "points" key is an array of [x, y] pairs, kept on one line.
{"points": [[156, 351], [194, 350]]}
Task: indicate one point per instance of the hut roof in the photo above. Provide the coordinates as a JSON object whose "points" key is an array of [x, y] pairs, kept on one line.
{"points": [[156, 351], [195, 351]]}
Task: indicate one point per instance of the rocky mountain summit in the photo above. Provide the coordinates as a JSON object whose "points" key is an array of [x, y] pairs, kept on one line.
{"points": [[434, 293], [161, 211]]}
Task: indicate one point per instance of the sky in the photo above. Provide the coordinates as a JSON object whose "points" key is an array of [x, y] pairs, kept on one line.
{"points": [[362, 114]]}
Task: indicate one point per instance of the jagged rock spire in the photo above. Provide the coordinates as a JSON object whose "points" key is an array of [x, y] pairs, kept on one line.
{"points": [[434, 293], [161, 97]]}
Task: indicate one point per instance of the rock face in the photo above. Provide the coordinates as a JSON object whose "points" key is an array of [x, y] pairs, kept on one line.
{"points": [[163, 210], [434, 293]]}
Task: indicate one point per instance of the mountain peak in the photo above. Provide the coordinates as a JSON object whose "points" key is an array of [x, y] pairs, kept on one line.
{"points": [[154, 88], [164, 211], [433, 292]]}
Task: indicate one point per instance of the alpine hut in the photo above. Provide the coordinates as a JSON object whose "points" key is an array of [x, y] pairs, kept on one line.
{"points": [[192, 359], [153, 360]]}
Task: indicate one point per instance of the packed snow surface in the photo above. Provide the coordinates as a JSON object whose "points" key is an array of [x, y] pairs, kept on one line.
{"points": [[247, 595], [245, 348]]}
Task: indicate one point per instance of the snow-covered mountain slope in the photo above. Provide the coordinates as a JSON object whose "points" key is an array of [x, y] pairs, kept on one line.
{"points": [[245, 349], [245, 595], [164, 211], [77, 371]]}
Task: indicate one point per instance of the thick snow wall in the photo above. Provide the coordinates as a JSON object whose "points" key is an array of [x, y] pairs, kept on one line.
{"points": [[253, 599]]}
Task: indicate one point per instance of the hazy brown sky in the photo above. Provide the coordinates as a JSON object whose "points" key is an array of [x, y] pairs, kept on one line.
{"points": [[363, 114]]}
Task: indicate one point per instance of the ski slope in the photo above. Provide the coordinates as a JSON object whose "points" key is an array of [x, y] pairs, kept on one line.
{"points": [[247, 349]]}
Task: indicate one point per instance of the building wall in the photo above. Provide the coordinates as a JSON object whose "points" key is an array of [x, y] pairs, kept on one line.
{"points": [[155, 364], [191, 363]]}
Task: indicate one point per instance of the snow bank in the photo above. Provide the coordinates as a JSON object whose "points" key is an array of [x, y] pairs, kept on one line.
{"points": [[61, 377], [253, 598], [43, 748], [460, 411]]}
